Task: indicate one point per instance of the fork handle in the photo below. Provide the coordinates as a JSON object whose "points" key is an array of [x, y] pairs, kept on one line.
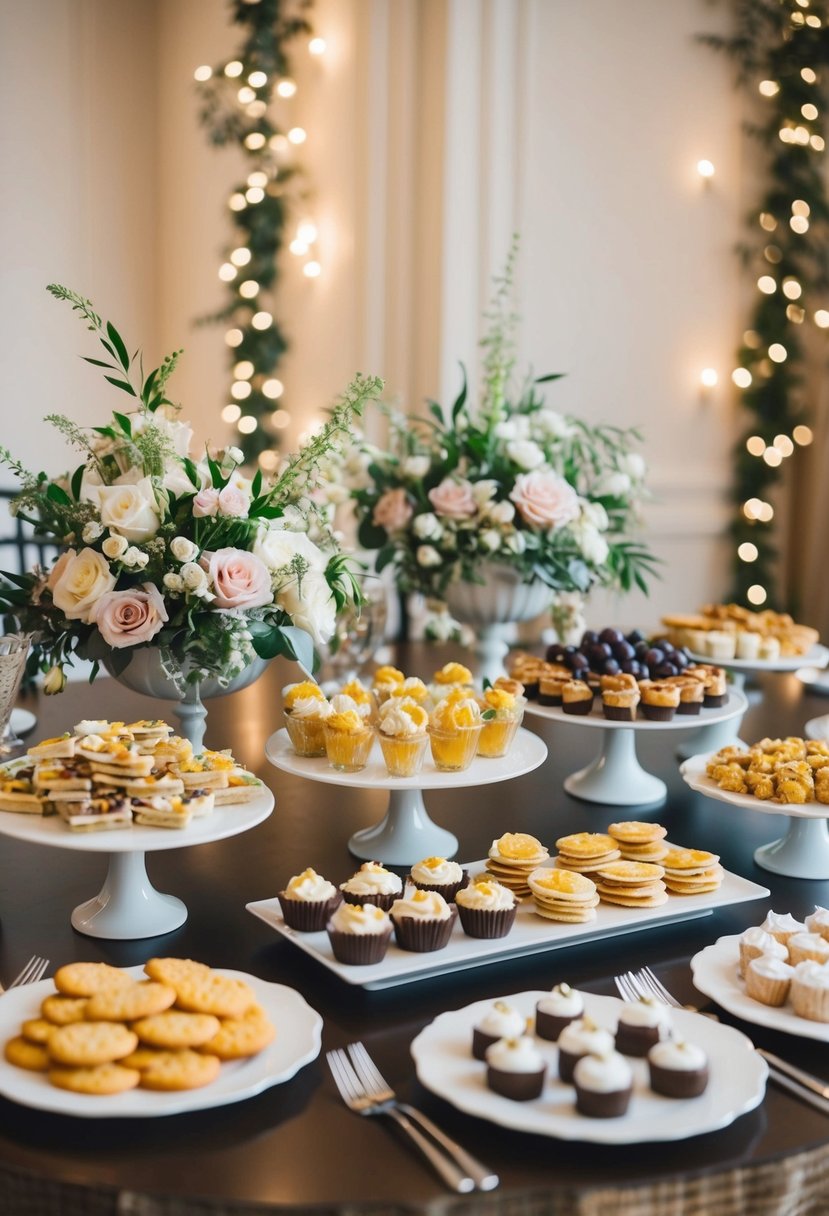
{"points": [[444, 1166], [483, 1178]]}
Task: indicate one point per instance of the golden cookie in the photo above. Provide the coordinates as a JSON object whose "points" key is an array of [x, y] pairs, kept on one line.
{"points": [[644, 892], [689, 860], [653, 853], [626, 901], [82, 1044], [565, 862], [99, 1080], [586, 844], [141, 1058], [173, 1070], [240, 1037], [167, 970], [126, 1002], [62, 1010], [630, 873], [518, 847], [633, 832], [550, 883], [37, 1030], [82, 979], [174, 1029], [567, 918], [220, 995], [23, 1054], [564, 905], [704, 889]]}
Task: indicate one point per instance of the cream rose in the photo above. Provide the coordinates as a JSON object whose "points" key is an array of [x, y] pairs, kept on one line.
{"points": [[545, 500], [233, 501], [80, 579], [206, 502], [240, 580], [311, 605], [393, 510], [114, 547], [130, 510], [128, 618], [278, 546], [454, 499]]}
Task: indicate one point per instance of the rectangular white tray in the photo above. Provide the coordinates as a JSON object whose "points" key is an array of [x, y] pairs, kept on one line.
{"points": [[530, 934]]}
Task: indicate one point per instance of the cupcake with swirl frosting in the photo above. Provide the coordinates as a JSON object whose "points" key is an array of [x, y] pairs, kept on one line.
{"points": [[359, 934], [486, 908], [438, 874], [308, 901], [782, 926], [552, 1013], [423, 921], [502, 1021], [372, 884]]}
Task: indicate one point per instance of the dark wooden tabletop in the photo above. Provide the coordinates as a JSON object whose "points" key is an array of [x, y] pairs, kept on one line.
{"points": [[296, 1147]]}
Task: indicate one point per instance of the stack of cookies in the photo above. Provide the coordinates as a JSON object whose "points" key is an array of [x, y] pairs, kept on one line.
{"points": [[639, 841], [692, 871], [102, 1032], [513, 857], [586, 852], [631, 884], [563, 895]]}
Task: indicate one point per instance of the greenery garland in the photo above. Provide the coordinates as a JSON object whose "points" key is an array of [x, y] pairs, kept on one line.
{"points": [[781, 47], [236, 108]]}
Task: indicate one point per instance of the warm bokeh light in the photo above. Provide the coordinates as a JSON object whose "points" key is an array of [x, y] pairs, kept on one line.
{"points": [[203, 73], [809, 75], [247, 424], [772, 457], [234, 68], [237, 202], [273, 389], [822, 318], [784, 445], [802, 435], [317, 46], [231, 413], [747, 552], [705, 168], [255, 141], [246, 95], [258, 79], [258, 178], [268, 460], [234, 337], [227, 273], [312, 270], [767, 284], [261, 320], [280, 419], [248, 289], [741, 377], [240, 256], [756, 594], [756, 445], [243, 370], [254, 194], [809, 111], [297, 135], [298, 248], [778, 352], [306, 231], [767, 221], [799, 224], [769, 87], [751, 339], [286, 88], [240, 390], [792, 289]]}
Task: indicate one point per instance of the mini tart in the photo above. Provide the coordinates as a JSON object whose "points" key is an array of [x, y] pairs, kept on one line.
{"points": [[576, 697], [580, 1038], [515, 1069], [308, 901], [660, 700], [550, 686], [716, 688], [438, 874], [372, 884], [619, 704], [423, 922], [678, 1069], [486, 909], [359, 934], [755, 942], [499, 1022], [691, 695], [806, 947], [768, 980], [782, 926], [604, 1084], [552, 1013], [641, 1024], [810, 991]]}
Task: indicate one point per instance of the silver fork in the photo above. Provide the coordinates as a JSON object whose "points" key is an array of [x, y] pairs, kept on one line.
{"points": [[378, 1088], [802, 1084], [354, 1095], [31, 973]]}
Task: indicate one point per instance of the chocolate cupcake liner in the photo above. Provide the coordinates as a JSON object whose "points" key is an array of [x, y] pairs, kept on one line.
{"points": [[448, 889], [422, 936], [480, 1041], [618, 713], [714, 701], [307, 917], [581, 708], [567, 1065], [603, 1105], [678, 1082], [479, 922], [519, 1086], [548, 698], [635, 1040], [658, 713], [550, 1025], [689, 707], [378, 900], [531, 691], [359, 949]]}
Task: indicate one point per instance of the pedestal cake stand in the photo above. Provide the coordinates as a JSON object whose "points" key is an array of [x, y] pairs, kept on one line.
{"points": [[406, 834], [128, 906], [615, 777]]}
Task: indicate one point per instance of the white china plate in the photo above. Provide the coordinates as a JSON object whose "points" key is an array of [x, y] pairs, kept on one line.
{"points": [[736, 704], [445, 1065], [693, 773], [715, 973], [818, 656], [526, 753], [814, 679], [297, 1042], [817, 728], [530, 934], [22, 721], [223, 821]]}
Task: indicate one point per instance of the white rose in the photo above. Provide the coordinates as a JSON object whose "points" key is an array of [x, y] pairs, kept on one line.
{"points": [[336, 493], [277, 546], [427, 527], [416, 466], [591, 542], [515, 542], [84, 578], [490, 539], [526, 454], [175, 479], [236, 455], [182, 549], [193, 577], [595, 514], [502, 512], [90, 484], [130, 510], [173, 582], [484, 491], [114, 547], [91, 531], [428, 556], [314, 609], [135, 558], [612, 485], [553, 425], [634, 465], [506, 429]]}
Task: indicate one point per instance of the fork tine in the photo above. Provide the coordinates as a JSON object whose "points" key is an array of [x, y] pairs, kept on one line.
{"points": [[29, 972], [366, 1069], [40, 970], [657, 989], [345, 1077]]}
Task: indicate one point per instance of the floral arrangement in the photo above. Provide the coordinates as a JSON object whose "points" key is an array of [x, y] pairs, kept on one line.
{"points": [[181, 553], [512, 481]]}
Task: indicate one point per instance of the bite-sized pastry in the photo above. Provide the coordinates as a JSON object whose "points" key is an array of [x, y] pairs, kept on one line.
{"points": [[783, 926], [209, 770], [580, 1038], [158, 811], [769, 649], [486, 908], [768, 980], [372, 884], [678, 1069], [510, 685], [386, 679], [641, 1024], [95, 814], [18, 791], [721, 645], [660, 700], [450, 678], [308, 901], [577, 697], [501, 1021], [691, 695], [348, 738], [513, 857], [748, 644], [242, 786], [619, 704], [604, 1084], [61, 747], [423, 922], [455, 727], [502, 713], [551, 680], [558, 1009], [438, 874], [359, 934], [818, 922], [804, 947], [810, 991], [756, 941], [515, 1069]]}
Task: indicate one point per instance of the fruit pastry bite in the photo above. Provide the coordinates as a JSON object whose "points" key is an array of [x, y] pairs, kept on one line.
{"points": [[208, 771], [242, 786], [510, 685], [515, 1069], [412, 689], [348, 737], [455, 727], [96, 813], [172, 812], [403, 735], [167, 752], [61, 747], [360, 695], [386, 679], [501, 1021], [502, 713], [513, 857], [577, 697], [448, 678], [372, 884], [306, 708]]}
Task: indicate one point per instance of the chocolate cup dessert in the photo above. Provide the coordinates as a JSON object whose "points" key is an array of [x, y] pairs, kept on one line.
{"points": [[635, 1040], [620, 713], [678, 1082], [480, 1041], [689, 707], [378, 899], [567, 1062], [359, 949], [582, 707], [307, 917], [550, 1025], [714, 701], [518, 1086], [550, 698], [658, 713], [422, 936], [447, 889], [603, 1105], [483, 923]]}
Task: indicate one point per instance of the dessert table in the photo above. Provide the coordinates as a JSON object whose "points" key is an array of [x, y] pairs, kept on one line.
{"points": [[295, 1147]]}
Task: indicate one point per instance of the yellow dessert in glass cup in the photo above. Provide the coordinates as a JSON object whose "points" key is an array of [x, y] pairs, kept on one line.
{"points": [[386, 679], [362, 696], [452, 677], [306, 708], [412, 689], [502, 714], [454, 730], [403, 735], [348, 738]]}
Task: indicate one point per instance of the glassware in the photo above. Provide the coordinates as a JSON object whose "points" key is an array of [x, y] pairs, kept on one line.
{"points": [[454, 749], [348, 751], [14, 647], [358, 633]]}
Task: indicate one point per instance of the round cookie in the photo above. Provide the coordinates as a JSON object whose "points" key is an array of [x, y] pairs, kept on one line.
{"points": [[630, 873], [141, 1058], [32, 1056], [586, 845], [63, 1010], [100, 1080], [240, 1037], [82, 1044], [168, 970], [83, 979], [689, 861], [126, 1002], [627, 900], [174, 1030], [559, 884], [220, 995], [37, 1030], [174, 1070], [586, 866], [634, 832]]}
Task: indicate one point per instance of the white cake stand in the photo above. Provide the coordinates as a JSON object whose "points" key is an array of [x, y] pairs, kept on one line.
{"points": [[804, 850], [406, 834], [128, 905], [615, 777], [817, 728]]}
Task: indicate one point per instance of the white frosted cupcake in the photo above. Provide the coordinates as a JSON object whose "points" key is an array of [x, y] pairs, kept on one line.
{"points": [[678, 1069], [486, 908], [781, 926], [552, 1013], [810, 991], [308, 901], [581, 1038], [818, 922], [372, 884], [604, 1084], [359, 934], [641, 1024], [438, 874], [502, 1021], [756, 941], [768, 980], [515, 1069], [805, 947], [423, 922]]}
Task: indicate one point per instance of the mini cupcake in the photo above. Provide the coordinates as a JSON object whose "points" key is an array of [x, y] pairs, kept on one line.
{"points": [[782, 926], [527, 669], [580, 1038], [619, 704], [722, 645], [808, 947], [372, 884], [386, 679], [716, 688], [691, 695], [510, 685], [451, 677], [438, 874], [486, 908], [641, 1024], [402, 731], [660, 700], [499, 1022], [618, 683], [755, 942], [306, 708], [818, 922], [454, 730], [308, 901], [515, 1069], [551, 680], [768, 980], [604, 1084], [423, 922], [576, 697], [769, 649], [359, 934], [502, 713], [678, 1069], [552, 1013], [348, 736], [810, 991]]}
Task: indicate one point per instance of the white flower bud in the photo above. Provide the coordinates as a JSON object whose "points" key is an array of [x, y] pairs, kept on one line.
{"points": [[516, 543], [490, 540], [134, 558], [235, 454], [91, 531], [194, 577], [173, 582], [182, 549], [502, 512], [416, 466], [427, 527], [114, 547], [54, 681], [428, 556]]}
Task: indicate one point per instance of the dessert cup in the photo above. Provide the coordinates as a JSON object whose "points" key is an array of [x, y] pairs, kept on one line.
{"points": [[348, 751], [403, 756], [454, 750], [307, 735]]}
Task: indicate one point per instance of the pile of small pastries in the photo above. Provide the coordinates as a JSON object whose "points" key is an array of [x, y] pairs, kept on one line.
{"points": [[728, 631], [104, 775], [792, 770], [786, 962], [102, 1032]]}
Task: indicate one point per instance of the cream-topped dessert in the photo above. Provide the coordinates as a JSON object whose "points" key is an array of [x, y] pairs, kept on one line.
{"points": [[641, 1024], [438, 874], [423, 921], [578, 1039], [310, 887], [754, 942], [782, 925], [308, 900], [501, 1021], [810, 991], [422, 905], [678, 1069], [604, 1084], [487, 909], [818, 921], [359, 919], [515, 1069], [768, 979], [808, 946], [359, 933], [555, 1011], [372, 884]]}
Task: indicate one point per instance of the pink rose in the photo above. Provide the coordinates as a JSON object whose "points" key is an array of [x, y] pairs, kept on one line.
{"points": [[545, 500], [233, 501], [128, 618], [206, 502], [454, 499], [393, 510], [240, 580]]}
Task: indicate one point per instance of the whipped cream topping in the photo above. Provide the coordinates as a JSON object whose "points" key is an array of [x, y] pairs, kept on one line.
{"points": [[818, 921], [515, 1055], [504, 1021], [809, 941], [563, 1002], [585, 1036], [91, 726], [773, 968], [425, 905], [782, 922], [396, 720], [342, 703], [603, 1074], [310, 887], [372, 879], [437, 872], [309, 707], [815, 975], [677, 1054], [764, 942], [360, 919], [486, 897], [647, 1011]]}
